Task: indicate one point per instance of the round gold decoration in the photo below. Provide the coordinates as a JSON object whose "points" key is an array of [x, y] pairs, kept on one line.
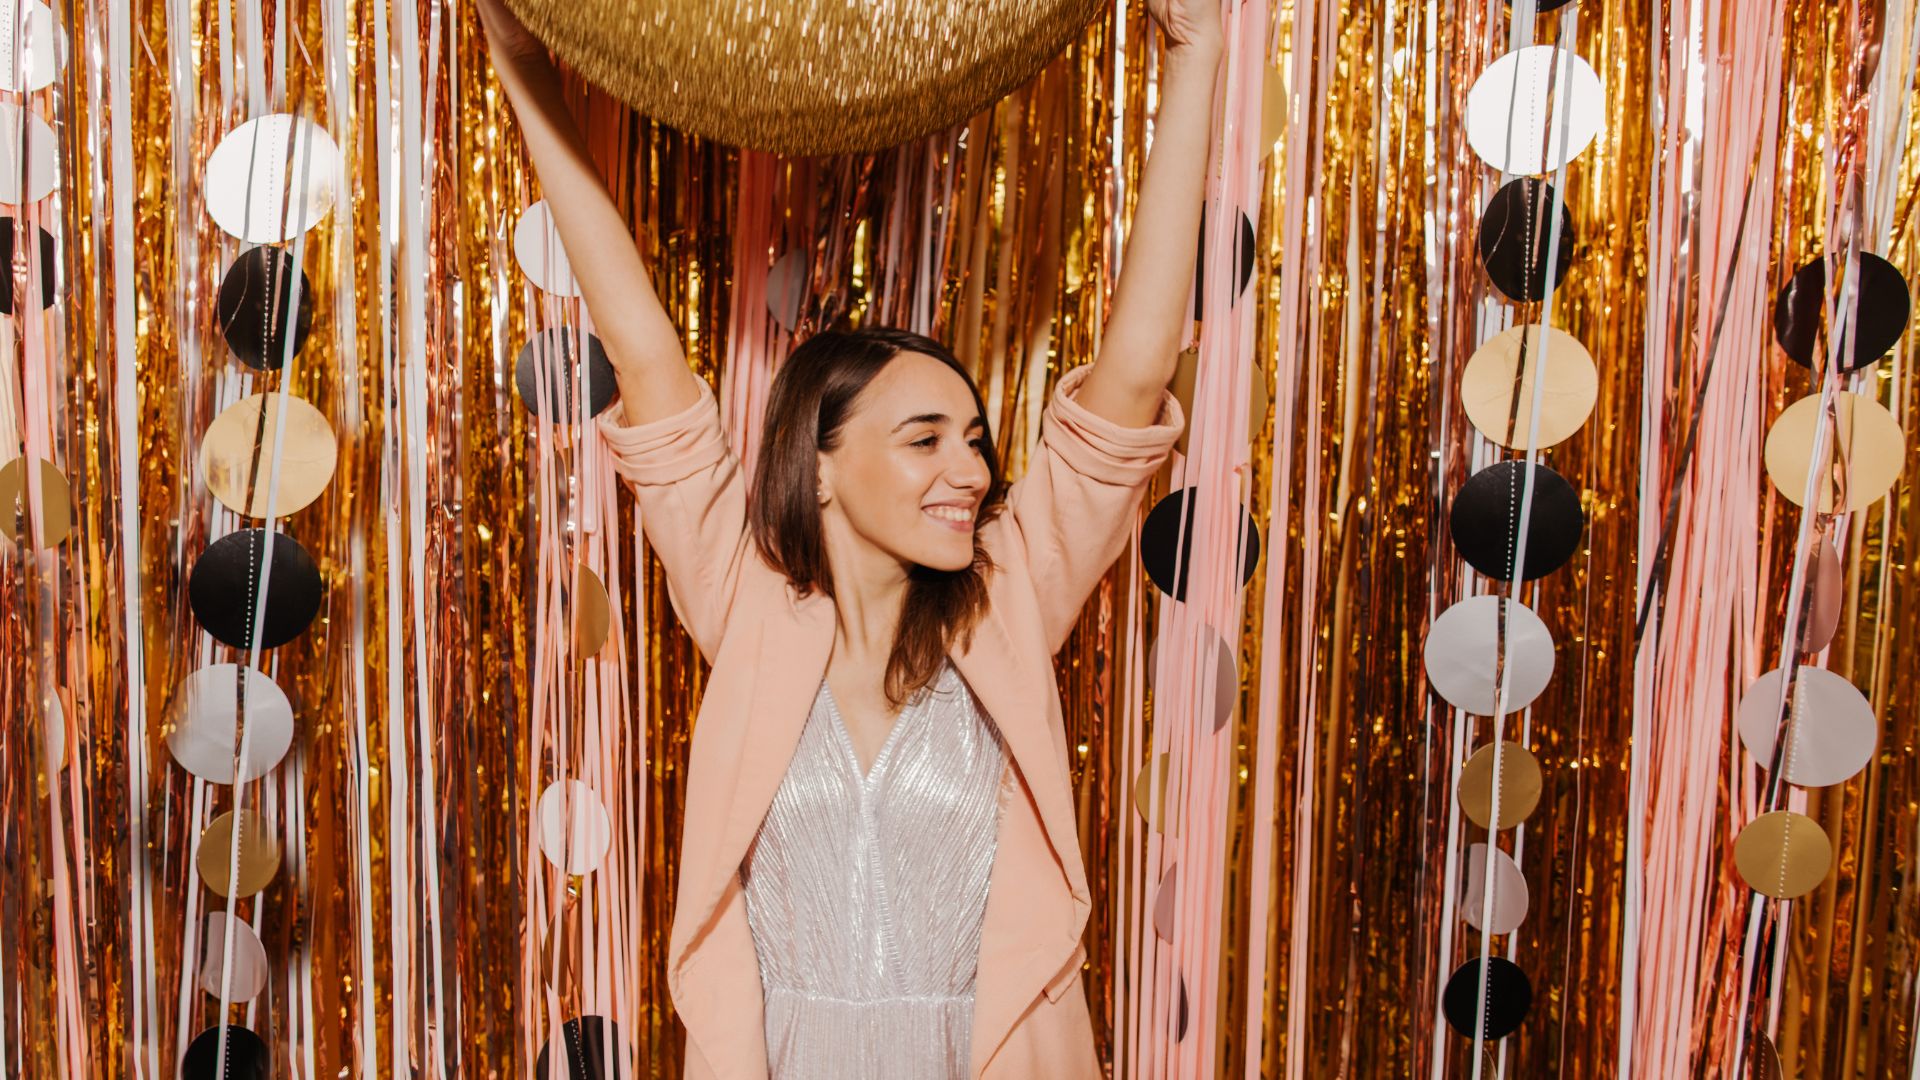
{"points": [[807, 76], [259, 855], [1150, 792], [1782, 854], [592, 612], [237, 456], [55, 518], [1871, 451], [1185, 375], [1507, 366], [1519, 785]]}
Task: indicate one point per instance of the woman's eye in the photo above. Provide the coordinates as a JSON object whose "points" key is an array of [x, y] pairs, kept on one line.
{"points": [[928, 441]]}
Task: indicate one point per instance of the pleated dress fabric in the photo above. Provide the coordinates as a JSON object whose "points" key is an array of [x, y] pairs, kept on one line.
{"points": [[865, 894]]}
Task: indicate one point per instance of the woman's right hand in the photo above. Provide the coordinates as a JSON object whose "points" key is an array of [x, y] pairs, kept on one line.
{"points": [[508, 39]]}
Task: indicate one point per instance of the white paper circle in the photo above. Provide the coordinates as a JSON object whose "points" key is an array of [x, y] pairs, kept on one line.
{"points": [[55, 733], [249, 975], [537, 248], [41, 47], [42, 156], [575, 830], [204, 713], [1462, 648], [786, 288], [254, 168], [1510, 897], [1508, 114], [1835, 731]]}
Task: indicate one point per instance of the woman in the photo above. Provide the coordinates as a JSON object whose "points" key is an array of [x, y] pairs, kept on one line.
{"points": [[879, 871]]}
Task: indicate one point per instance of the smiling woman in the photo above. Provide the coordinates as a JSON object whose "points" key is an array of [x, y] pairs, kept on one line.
{"points": [[879, 870]]}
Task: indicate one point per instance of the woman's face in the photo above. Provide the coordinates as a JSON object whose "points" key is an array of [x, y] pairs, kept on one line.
{"points": [[908, 475]]}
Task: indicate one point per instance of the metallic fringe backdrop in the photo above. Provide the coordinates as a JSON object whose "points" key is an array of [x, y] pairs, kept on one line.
{"points": [[415, 926]]}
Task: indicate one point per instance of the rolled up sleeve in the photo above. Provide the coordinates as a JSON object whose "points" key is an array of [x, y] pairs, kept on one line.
{"points": [[1077, 503], [692, 496]]}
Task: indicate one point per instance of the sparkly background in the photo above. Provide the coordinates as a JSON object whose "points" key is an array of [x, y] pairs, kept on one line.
{"points": [[414, 926]]}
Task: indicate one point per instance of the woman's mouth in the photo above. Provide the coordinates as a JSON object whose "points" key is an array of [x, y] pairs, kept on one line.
{"points": [[957, 518]]}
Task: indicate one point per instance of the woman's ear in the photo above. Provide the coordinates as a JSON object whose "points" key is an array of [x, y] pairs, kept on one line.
{"points": [[822, 485]]}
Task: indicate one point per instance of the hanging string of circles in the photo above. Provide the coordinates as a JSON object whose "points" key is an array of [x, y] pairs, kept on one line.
{"points": [[1530, 386], [269, 455]]}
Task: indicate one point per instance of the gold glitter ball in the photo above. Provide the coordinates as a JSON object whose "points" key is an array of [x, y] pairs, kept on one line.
{"points": [[807, 76]]}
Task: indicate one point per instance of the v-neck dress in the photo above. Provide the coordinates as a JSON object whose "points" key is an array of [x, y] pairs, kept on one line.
{"points": [[865, 894]]}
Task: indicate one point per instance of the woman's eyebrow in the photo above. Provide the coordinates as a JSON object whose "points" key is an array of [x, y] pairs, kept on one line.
{"points": [[936, 418]]}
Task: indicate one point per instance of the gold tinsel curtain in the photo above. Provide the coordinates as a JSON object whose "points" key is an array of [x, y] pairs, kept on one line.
{"points": [[402, 932]]}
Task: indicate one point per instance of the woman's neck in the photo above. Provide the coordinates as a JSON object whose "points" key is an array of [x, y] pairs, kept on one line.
{"points": [[869, 590]]}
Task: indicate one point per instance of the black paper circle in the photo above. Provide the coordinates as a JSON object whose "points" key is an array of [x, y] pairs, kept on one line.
{"points": [[49, 271], [1243, 249], [1882, 306], [1514, 238], [1162, 538], [1180, 1012], [247, 1056], [1509, 996], [557, 350], [223, 589], [1486, 520], [592, 1043], [253, 305]]}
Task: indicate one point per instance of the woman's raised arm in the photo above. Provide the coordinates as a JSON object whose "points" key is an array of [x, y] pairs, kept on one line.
{"points": [[649, 361], [1140, 344]]}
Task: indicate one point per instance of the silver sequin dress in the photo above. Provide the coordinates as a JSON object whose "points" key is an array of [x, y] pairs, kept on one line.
{"points": [[865, 895]]}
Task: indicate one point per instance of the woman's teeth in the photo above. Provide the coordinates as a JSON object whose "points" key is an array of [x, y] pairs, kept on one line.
{"points": [[951, 513]]}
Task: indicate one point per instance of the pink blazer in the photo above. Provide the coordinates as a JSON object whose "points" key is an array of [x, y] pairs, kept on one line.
{"points": [[1067, 520]]}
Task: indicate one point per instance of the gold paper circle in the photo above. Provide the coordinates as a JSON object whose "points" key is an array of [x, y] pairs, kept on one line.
{"points": [[237, 455], [1763, 1061], [1150, 794], [1185, 374], [54, 521], [1519, 785], [1782, 854], [805, 76], [1487, 386], [592, 614], [259, 855], [1871, 443]]}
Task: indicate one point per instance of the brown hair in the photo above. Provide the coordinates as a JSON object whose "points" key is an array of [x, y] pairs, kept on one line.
{"points": [[811, 398]]}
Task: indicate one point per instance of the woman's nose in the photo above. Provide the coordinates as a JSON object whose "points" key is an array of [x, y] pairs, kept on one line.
{"points": [[970, 472]]}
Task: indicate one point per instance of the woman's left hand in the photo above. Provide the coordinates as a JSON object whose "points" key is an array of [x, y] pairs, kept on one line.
{"points": [[1190, 25]]}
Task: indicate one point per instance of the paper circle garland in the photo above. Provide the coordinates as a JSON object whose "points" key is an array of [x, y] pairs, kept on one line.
{"points": [[1150, 792], [43, 47], [1463, 646], [1882, 305], [1509, 997], [802, 78], [787, 289], [1186, 375], [537, 248], [205, 715], [1244, 246], [575, 830], [1497, 386], [1226, 678], [1520, 785], [556, 351], [48, 271], [272, 178], [1782, 854], [1834, 729], [52, 522], [26, 142], [1509, 124], [1867, 438], [1510, 896], [247, 1056], [1823, 613], [237, 456], [249, 973], [590, 1050], [592, 612], [1164, 895], [1485, 520], [1166, 542], [254, 303], [1514, 238], [259, 855], [226, 580]]}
